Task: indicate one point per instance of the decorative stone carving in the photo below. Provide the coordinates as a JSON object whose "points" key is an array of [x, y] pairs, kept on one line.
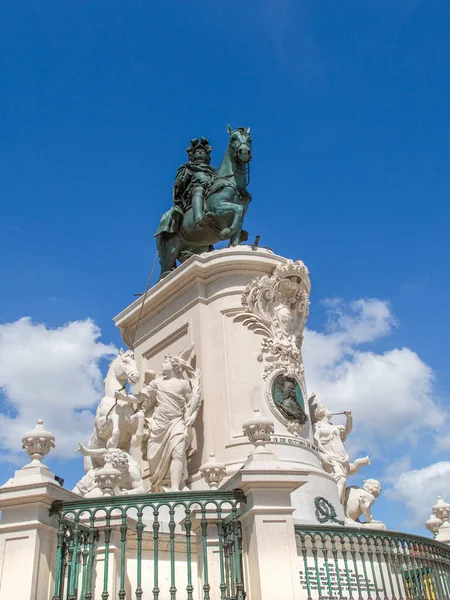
{"points": [[441, 509], [329, 439], [213, 472], [117, 425], [359, 501], [118, 474], [171, 402], [286, 401], [37, 443], [433, 524], [258, 429], [108, 479], [276, 307]]}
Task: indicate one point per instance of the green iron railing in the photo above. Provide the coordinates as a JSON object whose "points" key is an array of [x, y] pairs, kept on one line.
{"points": [[361, 564], [150, 546]]}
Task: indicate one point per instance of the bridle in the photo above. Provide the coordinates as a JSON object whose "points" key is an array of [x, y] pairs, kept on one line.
{"points": [[246, 170], [124, 387]]}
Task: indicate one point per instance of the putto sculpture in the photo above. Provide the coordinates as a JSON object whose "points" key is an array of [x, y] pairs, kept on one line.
{"points": [[358, 503], [208, 205], [330, 439]]}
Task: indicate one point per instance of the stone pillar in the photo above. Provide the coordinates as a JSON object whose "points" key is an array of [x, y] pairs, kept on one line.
{"points": [[438, 523], [27, 533], [271, 565]]}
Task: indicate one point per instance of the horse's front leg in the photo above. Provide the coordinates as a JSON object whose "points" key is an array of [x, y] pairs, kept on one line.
{"points": [[113, 441], [168, 246], [237, 211], [138, 419], [239, 236]]}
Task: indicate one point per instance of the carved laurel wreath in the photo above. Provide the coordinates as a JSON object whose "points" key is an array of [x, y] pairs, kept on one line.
{"points": [[325, 511]]}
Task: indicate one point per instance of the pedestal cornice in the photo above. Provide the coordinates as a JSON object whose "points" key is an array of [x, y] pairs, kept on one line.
{"points": [[199, 270]]}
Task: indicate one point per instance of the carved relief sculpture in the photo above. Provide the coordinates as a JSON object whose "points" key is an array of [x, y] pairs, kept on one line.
{"points": [[358, 503], [276, 307], [330, 439], [285, 398]]}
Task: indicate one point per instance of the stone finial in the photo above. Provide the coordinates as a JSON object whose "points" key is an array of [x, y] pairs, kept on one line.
{"points": [[37, 443], [433, 524], [441, 509], [213, 472], [258, 429], [107, 479]]}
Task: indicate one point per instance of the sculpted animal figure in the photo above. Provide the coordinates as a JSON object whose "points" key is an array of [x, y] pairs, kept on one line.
{"points": [[116, 425], [226, 202]]}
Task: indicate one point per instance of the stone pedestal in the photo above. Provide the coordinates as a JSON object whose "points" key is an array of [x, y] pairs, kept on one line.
{"points": [[198, 303], [269, 545], [28, 534]]}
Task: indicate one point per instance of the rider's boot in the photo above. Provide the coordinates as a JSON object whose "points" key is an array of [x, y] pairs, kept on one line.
{"points": [[198, 204]]}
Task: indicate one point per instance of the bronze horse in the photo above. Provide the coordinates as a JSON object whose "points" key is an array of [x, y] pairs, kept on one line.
{"points": [[226, 203]]}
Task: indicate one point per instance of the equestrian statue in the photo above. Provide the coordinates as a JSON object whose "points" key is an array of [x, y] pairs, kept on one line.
{"points": [[208, 205]]}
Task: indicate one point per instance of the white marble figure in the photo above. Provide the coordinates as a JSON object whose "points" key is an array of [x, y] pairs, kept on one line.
{"points": [[330, 440], [359, 501], [173, 399], [130, 473], [117, 425]]}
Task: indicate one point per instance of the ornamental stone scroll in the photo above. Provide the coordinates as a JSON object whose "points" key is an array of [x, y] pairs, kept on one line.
{"points": [[276, 306]]}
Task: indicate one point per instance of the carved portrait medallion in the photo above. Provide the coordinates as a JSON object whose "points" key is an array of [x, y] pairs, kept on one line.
{"points": [[286, 401]]}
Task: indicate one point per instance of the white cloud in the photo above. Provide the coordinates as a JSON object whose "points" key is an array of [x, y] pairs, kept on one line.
{"points": [[443, 442], [53, 374], [396, 468], [359, 321], [391, 393], [418, 490]]}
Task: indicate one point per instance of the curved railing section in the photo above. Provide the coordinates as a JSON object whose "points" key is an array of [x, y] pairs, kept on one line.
{"points": [[362, 564], [174, 545]]}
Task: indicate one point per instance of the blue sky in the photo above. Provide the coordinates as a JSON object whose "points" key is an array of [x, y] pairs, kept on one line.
{"points": [[348, 105]]}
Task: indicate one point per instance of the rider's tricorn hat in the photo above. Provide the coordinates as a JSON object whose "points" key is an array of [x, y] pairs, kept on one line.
{"points": [[195, 144]]}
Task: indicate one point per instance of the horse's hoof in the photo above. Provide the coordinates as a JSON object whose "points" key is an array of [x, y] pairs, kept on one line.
{"points": [[225, 234]]}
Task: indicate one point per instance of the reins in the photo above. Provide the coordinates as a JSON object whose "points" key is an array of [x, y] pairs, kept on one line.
{"points": [[135, 329]]}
